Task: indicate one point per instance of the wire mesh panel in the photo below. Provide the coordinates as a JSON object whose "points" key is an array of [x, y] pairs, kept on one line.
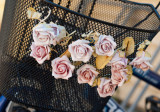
{"points": [[24, 81], [115, 11]]}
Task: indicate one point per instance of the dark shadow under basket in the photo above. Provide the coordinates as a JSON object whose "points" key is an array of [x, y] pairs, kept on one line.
{"points": [[24, 81]]}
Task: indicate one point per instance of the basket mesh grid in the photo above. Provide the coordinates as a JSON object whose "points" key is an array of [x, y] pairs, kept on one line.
{"points": [[23, 80]]}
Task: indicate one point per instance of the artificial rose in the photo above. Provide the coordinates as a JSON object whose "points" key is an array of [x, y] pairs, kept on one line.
{"points": [[119, 76], [118, 62], [106, 88], [141, 62], [87, 74], [80, 50], [40, 53], [46, 34], [62, 33], [105, 45], [62, 68]]}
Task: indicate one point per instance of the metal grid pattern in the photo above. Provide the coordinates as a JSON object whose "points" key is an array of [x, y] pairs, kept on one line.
{"points": [[24, 81]]}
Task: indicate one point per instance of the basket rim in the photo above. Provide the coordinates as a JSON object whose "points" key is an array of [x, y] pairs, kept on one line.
{"points": [[105, 22], [144, 4]]}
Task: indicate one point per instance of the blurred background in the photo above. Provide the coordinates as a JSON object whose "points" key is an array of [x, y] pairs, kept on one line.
{"points": [[123, 91]]}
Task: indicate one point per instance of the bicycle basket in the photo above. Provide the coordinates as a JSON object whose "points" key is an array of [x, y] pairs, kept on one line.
{"points": [[24, 81]]}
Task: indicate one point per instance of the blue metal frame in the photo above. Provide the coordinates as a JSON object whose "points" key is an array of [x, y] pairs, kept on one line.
{"points": [[113, 106], [149, 77], [3, 103]]}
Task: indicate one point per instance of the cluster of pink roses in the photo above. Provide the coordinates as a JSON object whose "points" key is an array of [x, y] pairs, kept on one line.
{"points": [[118, 77], [45, 35], [119, 72], [118, 69], [63, 69], [80, 50]]}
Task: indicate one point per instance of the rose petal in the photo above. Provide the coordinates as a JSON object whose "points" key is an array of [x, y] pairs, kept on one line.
{"points": [[46, 34], [105, 45], [80, 50], [86, 74], [62, 68], [106, 88], [140, 61], [40, 53]]}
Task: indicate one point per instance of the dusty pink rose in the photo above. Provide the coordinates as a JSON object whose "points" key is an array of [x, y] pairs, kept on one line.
{"points": [[141, 62], [105, 45], [62, 68], [86, 74], [106, 88], [118, 62], [61, 34], [46, 34], [40, 53], [119, 76], [80, 50]]}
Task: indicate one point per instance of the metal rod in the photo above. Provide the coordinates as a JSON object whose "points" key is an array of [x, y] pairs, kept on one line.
{"points": [[92, 8], [130, 94], [142, 92], [155, 54], [138, 99], [59, 2], [158, 67], [147, 15], [80, 6]]}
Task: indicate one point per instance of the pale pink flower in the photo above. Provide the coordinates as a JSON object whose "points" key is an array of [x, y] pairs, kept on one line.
{"points": [[119, 76], [47, 34], [105, 45], [62, 68], [87, 74], [118, 62], [40, 53], [106, 88], [141, 62], [80, 50]]}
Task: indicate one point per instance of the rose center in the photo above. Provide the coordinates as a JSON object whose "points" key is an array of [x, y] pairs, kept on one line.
{"points": [[106, 46], [87, 75], [62, 68], [40, 52], [43, 38], [117, 76], [81, 51]]}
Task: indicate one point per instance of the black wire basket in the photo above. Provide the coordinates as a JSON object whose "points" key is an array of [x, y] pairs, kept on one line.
{"points": [[24, 81]]}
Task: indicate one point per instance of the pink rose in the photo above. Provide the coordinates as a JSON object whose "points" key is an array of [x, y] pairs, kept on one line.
{"points": [[62, 68], [86, 74], [40, 53], [46, 34], [62, 33], [106, 88], [118, 69], [119, 76], [141, 62], [105, 45], [80, 50], [118, 62]]}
